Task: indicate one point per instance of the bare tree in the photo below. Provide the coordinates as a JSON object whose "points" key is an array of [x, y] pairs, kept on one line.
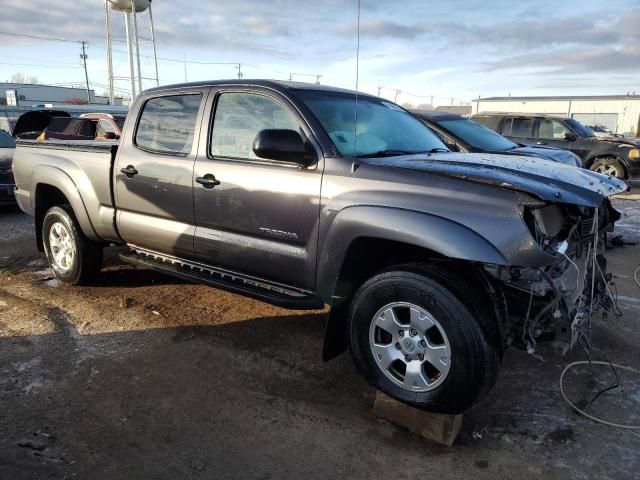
{"points": [[22, 78]]}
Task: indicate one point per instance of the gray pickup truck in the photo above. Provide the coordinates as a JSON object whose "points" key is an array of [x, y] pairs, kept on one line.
{"points": [[432, 262]]}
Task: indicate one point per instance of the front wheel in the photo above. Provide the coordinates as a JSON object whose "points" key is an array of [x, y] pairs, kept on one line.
{"points": [[422, 340], [609, 166], [73, 258]]}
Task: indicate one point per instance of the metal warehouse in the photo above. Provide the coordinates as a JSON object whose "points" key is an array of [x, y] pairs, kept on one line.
{"points": [[620, 113]]}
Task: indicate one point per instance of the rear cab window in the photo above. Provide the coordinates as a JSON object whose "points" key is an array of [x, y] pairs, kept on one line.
{"points": [[167, 124]]}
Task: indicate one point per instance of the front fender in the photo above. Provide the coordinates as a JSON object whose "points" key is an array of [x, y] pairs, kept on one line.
{"points": [[55, 177], [438, 234]]}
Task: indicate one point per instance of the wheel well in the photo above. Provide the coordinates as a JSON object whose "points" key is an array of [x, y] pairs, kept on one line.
{"points": [[368, 256], [593, 160], [47, 196]]}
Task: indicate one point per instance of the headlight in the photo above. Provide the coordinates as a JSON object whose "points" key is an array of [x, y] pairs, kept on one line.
{"points": [[634, 153], [545, 223]]}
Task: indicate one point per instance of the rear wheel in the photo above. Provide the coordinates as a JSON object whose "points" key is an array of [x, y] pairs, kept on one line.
{"points": [[72, 257], [420, 339], [609, 166]]}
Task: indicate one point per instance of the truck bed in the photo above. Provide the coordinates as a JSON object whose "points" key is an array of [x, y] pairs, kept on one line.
{"points": [[86, 167]]}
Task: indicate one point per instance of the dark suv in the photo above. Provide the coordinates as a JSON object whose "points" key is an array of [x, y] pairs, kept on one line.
{"points": [[612, 156]]}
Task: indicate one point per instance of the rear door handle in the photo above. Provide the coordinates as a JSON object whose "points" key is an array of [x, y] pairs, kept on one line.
{"points": [[541, 143], [129, 171], [208, 181]]}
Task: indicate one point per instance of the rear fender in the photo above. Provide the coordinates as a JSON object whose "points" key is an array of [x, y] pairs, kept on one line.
{"points": [[55, 177]]}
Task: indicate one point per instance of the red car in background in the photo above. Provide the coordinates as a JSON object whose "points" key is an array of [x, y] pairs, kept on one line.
{"points": [[89, 126]]}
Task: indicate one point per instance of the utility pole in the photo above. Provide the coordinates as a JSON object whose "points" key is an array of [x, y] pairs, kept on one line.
{"points": [[291, 77], [83, 56], [379, 90], [318, 79], [239, 67], [395, 99]]}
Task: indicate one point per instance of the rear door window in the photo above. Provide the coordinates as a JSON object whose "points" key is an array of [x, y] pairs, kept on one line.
{"points": [[167, 124], [518, 127]]}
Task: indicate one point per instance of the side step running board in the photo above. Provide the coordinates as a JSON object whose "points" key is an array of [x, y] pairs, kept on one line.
{"points": [[196, 272]]}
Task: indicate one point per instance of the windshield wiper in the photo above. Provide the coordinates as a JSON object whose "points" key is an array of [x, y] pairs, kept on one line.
{"points": [[385, 153], [395, 153], [438, 149]]}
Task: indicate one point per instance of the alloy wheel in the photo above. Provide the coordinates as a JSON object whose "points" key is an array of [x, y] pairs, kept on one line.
{"points": [[410, 346]]}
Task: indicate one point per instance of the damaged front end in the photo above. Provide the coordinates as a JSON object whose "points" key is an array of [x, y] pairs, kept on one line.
{"points": [[558, 300]]}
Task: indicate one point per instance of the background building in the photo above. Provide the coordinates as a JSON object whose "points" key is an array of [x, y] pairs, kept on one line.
{"points": [[620, 113], [27, 95]]}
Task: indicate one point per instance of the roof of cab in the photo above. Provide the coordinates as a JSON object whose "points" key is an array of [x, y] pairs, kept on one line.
{"points": [[278, 85], [519, 114]]}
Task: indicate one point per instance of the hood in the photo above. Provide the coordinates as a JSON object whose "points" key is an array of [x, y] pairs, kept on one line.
{"points": [[546, 180], [549, 153], [31, 124], [621, 141]]}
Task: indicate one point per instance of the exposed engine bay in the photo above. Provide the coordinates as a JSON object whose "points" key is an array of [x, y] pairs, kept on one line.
{"points": [[557, 302]]}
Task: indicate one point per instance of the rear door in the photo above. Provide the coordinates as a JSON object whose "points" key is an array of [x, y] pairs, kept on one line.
{"points": [[262, 218], [153, 175]]}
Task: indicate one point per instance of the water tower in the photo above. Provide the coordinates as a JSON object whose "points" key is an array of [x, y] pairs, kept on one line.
{"points": [[131, 10]]}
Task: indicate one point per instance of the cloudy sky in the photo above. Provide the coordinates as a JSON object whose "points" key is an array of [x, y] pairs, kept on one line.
{"points": [[454, 50]]}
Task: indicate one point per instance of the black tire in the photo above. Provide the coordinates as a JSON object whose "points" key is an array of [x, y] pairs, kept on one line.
{"points": [[472, 333], [609, 166], [87, 258]]}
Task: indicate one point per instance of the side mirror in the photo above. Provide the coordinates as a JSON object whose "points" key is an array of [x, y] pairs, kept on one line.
{"points": [[570, 137], [282, 145]]}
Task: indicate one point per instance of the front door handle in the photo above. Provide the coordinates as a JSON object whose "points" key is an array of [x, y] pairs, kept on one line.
{"points": [[541, 143], [129, 171], [208, 181]]}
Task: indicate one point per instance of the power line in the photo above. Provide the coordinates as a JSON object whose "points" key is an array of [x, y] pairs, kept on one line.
{"points": [[38, 37]]}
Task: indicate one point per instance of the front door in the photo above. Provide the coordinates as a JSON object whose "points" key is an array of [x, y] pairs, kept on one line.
{"points": [[553, 132], [261, 219], [154, 192]]}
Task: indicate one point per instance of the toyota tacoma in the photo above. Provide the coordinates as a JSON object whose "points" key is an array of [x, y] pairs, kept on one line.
{"points": [[432, 262]]}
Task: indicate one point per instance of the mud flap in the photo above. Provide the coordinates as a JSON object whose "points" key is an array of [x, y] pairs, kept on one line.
{"points": [[335, 336]]}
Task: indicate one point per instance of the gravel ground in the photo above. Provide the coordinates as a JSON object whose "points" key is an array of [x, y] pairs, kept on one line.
{"points": [[143, 376]]}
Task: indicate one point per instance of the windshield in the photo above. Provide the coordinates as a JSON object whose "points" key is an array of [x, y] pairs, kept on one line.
{"points": [[579, 128], [477, 135], [383, 128]]}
